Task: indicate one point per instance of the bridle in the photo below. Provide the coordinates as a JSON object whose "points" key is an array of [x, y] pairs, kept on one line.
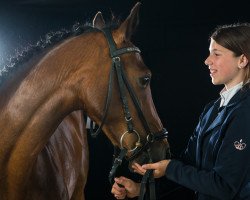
{"points": [[123, 83]]}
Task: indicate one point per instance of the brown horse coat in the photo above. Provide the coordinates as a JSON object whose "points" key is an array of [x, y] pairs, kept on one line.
{"points": [[42, 157]]}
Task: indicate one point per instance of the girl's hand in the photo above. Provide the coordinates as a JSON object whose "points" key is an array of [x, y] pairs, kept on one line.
{"points": [[158, 167], [130, 188]]}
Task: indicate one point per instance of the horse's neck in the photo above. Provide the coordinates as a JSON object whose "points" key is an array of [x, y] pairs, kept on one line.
{"points": [[39, 92], [34, 108], [34, 98]]}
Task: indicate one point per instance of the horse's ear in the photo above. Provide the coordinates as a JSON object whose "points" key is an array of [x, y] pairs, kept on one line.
{"points": [[129, 25], [98, 21]]}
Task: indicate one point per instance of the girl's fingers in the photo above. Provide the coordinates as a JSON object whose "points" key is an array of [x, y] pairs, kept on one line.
{"points": [[138, 169]]}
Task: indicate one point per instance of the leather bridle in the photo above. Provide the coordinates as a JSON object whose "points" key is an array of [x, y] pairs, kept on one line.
{"points": [[123, 83]]}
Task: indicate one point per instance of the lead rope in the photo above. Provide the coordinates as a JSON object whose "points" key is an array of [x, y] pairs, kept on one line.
{"points": [[148, 180]]}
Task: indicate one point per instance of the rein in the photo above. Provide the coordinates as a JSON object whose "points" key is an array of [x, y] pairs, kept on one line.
{"points": [[123, 83]]}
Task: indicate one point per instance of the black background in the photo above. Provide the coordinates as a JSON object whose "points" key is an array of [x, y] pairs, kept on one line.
{"points": [[173, 38]]}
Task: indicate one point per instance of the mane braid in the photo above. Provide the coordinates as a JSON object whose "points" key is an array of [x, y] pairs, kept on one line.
{"points": [[50, 39], [30, 51]]}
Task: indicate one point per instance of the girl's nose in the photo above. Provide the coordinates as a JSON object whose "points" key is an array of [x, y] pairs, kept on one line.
{"points": [[208, 61]]}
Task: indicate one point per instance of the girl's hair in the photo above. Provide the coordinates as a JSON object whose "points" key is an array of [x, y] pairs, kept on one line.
{"points": [[235, 37]]}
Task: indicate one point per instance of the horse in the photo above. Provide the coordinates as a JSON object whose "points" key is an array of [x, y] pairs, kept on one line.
{"points": [[44, 93]]}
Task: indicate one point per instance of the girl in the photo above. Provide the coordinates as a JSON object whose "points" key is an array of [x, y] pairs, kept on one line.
{"points": [[216, 162]]}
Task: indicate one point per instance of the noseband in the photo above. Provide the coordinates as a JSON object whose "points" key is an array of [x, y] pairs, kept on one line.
{"points": [[124, 84]]}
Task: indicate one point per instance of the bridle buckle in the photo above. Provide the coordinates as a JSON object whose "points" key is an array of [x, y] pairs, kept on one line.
{"points": [[150, 138], [116, 59]]}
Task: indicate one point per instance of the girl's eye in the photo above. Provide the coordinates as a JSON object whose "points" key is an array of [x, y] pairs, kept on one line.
{"points": [[214, 54], [144, 81]]}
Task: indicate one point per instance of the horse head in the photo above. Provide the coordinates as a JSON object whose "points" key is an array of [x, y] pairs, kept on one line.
{"points": [[120, 101]]}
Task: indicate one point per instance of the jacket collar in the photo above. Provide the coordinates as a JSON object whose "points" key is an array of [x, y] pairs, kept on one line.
{"points": [[238, 97]]}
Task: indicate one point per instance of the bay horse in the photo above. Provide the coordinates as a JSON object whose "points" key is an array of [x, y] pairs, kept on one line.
{"points": [[44, 152]]}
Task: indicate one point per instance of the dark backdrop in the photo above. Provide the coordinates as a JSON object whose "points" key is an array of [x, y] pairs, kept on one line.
{"points": [[173, 37]]}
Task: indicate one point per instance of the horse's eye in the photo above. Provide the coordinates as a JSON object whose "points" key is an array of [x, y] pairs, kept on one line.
{"points": [[144, 81]]}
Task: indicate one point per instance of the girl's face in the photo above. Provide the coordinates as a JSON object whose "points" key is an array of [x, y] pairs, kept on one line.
{"points": [[224, 67]]}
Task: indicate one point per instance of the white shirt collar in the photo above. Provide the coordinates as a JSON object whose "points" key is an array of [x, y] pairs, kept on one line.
{"points": [[226, 95]]}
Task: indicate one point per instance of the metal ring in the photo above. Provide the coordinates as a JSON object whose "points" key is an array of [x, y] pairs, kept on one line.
{"points": [[137, 143], [117, 59], [150, 138], [128, 119]]}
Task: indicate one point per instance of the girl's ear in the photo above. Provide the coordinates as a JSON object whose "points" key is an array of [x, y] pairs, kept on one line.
{"points": [[243, 61]]}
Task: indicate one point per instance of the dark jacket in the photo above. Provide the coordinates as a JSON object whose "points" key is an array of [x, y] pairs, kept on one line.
{"points": [[216, 162]]}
